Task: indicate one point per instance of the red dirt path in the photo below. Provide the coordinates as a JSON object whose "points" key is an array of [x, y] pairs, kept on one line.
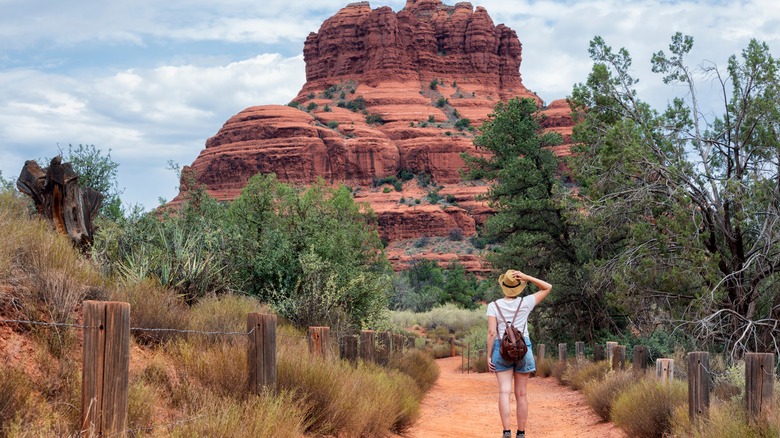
{"points": [[466, 405]]}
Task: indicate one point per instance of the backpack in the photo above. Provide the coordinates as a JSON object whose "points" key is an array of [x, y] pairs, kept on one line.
{"points": [[512, 346]]}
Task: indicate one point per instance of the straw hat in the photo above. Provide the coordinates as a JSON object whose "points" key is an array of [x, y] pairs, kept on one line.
{"points": [[511, 286]]}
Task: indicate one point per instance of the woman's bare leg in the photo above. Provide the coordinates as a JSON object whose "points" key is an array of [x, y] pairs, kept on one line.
{"points": [[521, 382], [504, 392]]}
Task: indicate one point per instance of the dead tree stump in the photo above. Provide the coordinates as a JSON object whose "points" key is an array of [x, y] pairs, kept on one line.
{"points": [[58, 198]]}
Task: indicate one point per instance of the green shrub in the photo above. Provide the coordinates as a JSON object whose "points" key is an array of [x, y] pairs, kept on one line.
{"points": [[398, 186], [311, 106], [431, 119], [440, 351], [441, 102], [333, 124], [294, 104], [456, 235], [375, 119], [326, 108], [422, 241], [433, 84], [462, 124], [451, 199], [644, 410], [601, 395]]}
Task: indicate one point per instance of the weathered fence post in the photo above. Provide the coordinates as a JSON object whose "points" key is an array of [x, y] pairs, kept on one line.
{"points": [[398, 344], [641, 355], [579, 350], [319, 341], [541, 352], [562, 352], [262, 351], [664, 370], [598, 353], [383, 348], [698, 384], [411, 341], [759, 379], [367, 349], [619, 357], [348, 349], [452, 346], [610, 349], [106, 365]]}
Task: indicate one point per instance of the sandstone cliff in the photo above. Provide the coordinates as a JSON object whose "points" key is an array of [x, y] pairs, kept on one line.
{"points": [[386, 93]]}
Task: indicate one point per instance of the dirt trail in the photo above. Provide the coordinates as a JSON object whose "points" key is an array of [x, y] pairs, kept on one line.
{"points": [[466, 405]]}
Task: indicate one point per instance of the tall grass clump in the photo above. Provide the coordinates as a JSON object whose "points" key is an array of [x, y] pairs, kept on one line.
{"points": [[279, 415], [153, 306], [15, 398], [601, 395], [588, 372], [342, 400], [224, 313], [544, 368], [418, 365], [220, 368], [59, 278], [644, 410]]}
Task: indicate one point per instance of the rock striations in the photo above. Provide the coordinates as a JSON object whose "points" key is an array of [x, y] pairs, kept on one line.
{"points": [[386, 93]]}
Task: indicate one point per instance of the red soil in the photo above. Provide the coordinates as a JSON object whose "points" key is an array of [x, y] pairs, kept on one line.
{"points": [[466, 405]]}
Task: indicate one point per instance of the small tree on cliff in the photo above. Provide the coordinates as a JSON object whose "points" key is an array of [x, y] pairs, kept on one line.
{"points": [[531, 223]]}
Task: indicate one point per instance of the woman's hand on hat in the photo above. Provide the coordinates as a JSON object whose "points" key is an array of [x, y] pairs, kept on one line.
{"points": [[519, 276]]}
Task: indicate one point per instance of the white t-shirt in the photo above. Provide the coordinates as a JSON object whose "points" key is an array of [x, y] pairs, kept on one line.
{"points": [[508, 308]]}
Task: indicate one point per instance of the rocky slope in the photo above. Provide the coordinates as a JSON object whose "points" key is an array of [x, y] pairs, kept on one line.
{"points": [[387, 93]]}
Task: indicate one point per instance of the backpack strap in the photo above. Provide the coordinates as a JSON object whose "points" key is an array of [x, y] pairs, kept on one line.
{"points": [[516, 311]]}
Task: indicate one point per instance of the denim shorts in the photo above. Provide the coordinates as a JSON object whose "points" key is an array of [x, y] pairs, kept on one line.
{"points": [[524, 365]]}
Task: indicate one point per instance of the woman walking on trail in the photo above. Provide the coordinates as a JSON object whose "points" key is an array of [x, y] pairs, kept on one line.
{"points": [[512, 284]]}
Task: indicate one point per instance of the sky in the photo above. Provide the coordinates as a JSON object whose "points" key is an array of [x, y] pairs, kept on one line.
{"points": [[151, 81]]}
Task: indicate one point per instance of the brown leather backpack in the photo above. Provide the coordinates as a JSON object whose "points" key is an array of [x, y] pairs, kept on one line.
{"points": [[512, 346]]}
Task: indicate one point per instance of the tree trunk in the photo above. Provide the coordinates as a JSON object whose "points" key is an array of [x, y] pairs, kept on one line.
{"points": [[58, 198]]}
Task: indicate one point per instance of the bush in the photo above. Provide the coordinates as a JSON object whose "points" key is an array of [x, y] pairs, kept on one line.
{"points": [[440, 351], [343, 401], [462, 124], [456, 234], [418, 365], [294, 104], [398, 186], [225, 313], [391, 179], [375, 119], [333, 124], [433, 84], [451, 199], [478, 242], [422, 241], [268, 415], [601, 395], [586, 373], [431, 119], [441, 102], [387, 190], [559, 372], [311, 106], [645, 410], [326, 108], [544, 368]]}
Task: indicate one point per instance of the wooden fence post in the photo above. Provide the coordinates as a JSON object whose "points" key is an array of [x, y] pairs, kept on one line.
{"points": [[598, 353], [579, 350], [540, 353], [610, 349], [759, 383], [641, 355], [664, 370], [698, 384], [452, 346], [348, 349], [383, 348], [105, 368], [619, 357], [367, 348], [411, 341], [262, 351], [562, 352], [319, 341], [398, 344]]}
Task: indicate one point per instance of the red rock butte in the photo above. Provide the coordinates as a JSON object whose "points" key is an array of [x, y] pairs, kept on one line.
{"points": [[386, 93]]}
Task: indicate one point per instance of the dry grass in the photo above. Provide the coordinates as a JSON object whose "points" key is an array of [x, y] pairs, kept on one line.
{"points": [[559, 372], [152, 306], [440, 351], [544, 368], [225, 313], [726, 418], [269, 415], [16, 398], [584, 373], [418, 365], [644, 410], [220, 368], [601, 395], [346, 401]]}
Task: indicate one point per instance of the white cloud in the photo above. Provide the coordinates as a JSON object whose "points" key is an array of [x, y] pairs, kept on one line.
{"points": [[145, 116]]}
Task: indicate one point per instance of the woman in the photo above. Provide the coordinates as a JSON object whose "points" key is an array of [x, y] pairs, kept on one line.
{"points": [[512, 284]]}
